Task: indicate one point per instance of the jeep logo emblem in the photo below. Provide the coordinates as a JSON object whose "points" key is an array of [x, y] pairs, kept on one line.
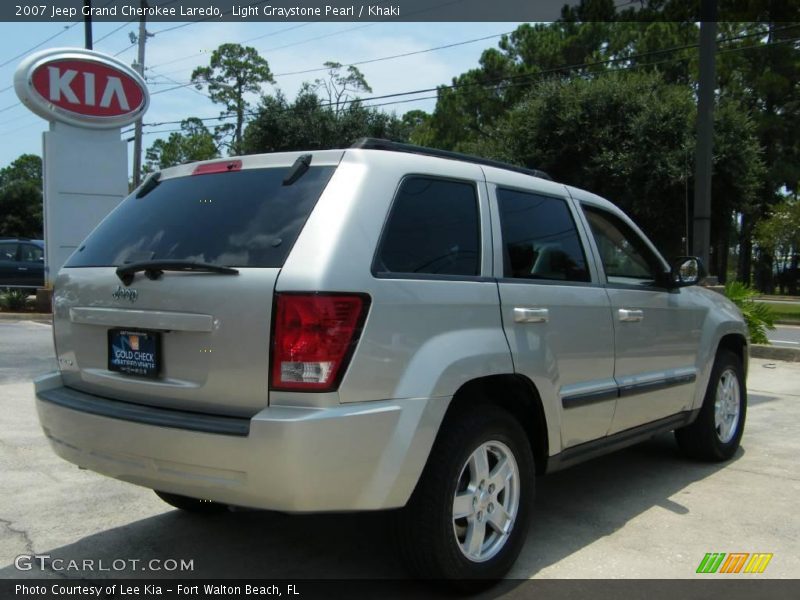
{"points": [[122, 293]]}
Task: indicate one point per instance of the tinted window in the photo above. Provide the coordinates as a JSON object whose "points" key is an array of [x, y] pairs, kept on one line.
{"points": [[31, 253], [623, 253], [240, 219], [540, 240], [433, 228], [8, 251]]}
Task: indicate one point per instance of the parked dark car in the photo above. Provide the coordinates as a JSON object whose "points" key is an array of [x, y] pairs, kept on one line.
{"points": [[21, 263]]}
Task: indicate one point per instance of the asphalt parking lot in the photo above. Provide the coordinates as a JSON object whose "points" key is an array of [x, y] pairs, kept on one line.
{"points": [[641, 513]]}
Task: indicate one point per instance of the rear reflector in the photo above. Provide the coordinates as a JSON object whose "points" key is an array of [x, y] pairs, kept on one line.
{"points": [[313, 338], [218, 167]]}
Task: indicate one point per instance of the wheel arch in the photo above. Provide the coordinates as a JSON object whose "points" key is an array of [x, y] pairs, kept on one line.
{"points": [[737, 344], [514, 393]]}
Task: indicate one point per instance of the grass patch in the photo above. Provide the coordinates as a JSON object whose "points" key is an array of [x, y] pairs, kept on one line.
{"points": [[785, 311]]}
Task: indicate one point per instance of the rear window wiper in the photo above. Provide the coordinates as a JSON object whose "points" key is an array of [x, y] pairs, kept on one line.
{"points": [[298, 169], [153, 269]]}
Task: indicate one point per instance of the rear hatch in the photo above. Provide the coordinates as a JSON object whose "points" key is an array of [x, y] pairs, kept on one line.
{"points": [[181, 334]]}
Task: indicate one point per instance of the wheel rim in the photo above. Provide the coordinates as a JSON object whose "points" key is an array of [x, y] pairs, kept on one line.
{"points": [[486, 501], [727, 406]]}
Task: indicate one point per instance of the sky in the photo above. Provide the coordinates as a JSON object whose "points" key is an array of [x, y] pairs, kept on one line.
{"points": [[172, 55]]}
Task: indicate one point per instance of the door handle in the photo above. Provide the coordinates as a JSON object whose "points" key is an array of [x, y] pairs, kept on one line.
{"points": [[531, 315], [627, 315], [22, 268]]}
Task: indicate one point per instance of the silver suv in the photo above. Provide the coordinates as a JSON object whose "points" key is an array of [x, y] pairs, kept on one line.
{"points": [[381, 327]]}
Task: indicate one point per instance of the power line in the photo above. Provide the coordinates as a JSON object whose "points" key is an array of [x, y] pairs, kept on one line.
{"points": [[126, 48], [394, 56], [113, 31], [181, 84], [52, 37], [502, 86], [182, 25], [2, 110], [170, 79], [194, 55], [186, 84], [297, 43]]}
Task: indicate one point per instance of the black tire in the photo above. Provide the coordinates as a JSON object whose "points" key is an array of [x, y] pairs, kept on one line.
{"points": [[192, 505], [702, 440], [426, 530]]}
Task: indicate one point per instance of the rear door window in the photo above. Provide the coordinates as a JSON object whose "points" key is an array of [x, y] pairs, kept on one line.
{"points": [[540, 240], [433, 229], [244, 218]]}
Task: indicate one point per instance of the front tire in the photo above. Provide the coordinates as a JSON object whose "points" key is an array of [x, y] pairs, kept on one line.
{"points": [[716, 433], [468, 517]]}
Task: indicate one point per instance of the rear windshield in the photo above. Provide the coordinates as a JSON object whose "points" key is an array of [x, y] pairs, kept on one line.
{"points": [[239, 219]]}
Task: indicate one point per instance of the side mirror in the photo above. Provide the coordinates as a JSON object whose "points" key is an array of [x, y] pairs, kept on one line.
{"points": [[686, 270]]}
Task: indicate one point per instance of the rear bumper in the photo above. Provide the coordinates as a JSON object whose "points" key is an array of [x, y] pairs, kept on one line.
{"points": [[366, 456]]}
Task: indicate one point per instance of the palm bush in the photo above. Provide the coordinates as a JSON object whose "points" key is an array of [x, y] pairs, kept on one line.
{"points": [[758, 315], [13, 299]]}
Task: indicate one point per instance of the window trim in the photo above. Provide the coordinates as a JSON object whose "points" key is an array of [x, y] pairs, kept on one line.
{"points": [[377, 274]]}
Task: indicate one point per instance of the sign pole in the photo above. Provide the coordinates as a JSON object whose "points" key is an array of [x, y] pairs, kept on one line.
{"points": [[87, 23], [137, 135]]}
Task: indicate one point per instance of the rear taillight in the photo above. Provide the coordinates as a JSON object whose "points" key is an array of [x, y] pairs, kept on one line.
{"points": [[313, 337]]}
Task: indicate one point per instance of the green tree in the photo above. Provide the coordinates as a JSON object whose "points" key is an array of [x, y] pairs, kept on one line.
{"points": [[340, 88], [628, 137], [233, 72], [21, 198], [325, 114], [28, 167], [193, 142], [762, 77], [418, 125], [779, 235]]}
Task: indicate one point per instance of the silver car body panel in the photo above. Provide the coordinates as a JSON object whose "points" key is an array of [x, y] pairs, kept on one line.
{"points": [[365, 445]]}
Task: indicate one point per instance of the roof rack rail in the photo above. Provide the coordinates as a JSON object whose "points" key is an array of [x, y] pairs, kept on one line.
{"points": [[381, 144]]}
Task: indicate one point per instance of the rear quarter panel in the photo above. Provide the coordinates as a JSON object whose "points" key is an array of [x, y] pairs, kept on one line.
{"points": [[424, 337]]}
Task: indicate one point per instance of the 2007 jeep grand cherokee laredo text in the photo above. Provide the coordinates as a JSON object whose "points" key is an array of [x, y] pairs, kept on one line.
{"points": [[380, 327]]}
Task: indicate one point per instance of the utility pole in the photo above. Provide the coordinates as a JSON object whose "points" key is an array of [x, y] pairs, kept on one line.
{"points": [[87, 23], [139, 66], [701, 235]]}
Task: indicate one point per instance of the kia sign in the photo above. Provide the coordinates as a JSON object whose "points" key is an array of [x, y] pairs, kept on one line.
{"points": [[81, 88]]}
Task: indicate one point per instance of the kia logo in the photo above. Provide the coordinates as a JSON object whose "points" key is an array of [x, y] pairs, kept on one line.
{"points": [[81, 87]]}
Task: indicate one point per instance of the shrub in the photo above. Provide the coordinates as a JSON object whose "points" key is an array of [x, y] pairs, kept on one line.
{"points": [[13, 300], [758, 315]]}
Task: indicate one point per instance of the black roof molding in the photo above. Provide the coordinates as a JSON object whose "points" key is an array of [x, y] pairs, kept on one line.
{"points": [[381, 144]]}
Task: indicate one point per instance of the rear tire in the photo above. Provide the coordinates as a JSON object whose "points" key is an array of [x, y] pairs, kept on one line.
{"points": [[192, 505], [468, 517], [718, 429]]}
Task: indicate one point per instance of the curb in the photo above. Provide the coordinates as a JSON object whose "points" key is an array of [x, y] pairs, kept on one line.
{"points": [[25, 316], [775, 353]]}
